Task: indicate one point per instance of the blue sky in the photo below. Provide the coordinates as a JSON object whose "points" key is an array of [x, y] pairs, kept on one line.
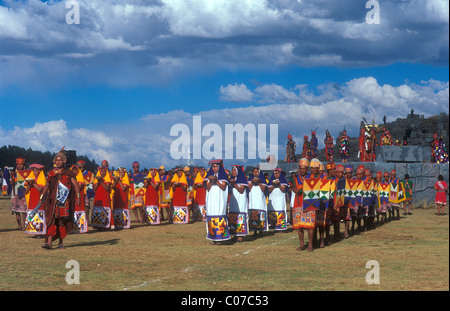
{"points": [[114, 85], [191, 95]]}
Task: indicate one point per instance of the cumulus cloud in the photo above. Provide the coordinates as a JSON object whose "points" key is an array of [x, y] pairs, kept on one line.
{"points": [[172, 36], [235, 93]]}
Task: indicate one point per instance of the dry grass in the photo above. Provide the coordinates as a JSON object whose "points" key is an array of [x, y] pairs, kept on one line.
{"points": [[413, 254]]}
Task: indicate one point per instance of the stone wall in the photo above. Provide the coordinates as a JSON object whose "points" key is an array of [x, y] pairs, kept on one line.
{"points": [[406, 154]]}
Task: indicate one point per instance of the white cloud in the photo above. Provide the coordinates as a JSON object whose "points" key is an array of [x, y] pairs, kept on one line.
{"points": [[218, 18], [165, 37], [12, 25], [236, 93]]}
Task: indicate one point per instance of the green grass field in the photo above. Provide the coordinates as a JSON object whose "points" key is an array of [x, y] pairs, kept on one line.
{"points": [[413, 255]]}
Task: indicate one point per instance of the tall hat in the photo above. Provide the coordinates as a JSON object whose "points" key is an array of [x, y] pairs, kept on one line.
{"points": [[340, 168], [303, 162], [360, 170], [20, 161], [331, 165], [315, 163]]}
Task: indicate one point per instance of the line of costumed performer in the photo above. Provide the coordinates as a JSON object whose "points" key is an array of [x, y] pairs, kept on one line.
{"points": [[60, 196], [216, 184]]}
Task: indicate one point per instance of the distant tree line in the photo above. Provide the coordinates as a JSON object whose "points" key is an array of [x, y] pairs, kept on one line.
{"points": [[9, 154]]}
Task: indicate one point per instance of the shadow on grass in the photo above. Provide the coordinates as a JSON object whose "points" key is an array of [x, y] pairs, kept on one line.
{"points": [[94, 243], [9, 230]]}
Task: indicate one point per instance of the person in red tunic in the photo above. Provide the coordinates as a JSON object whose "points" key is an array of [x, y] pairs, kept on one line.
{"points": [[80, 225], [179, 185], [121, 187], [89, 183], [200, 193], [102, 198], [35, 187], [441, 188], [61, 194], [151, 184]]}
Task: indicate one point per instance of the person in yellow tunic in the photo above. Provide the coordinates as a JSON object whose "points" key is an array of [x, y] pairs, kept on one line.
{"points": [[80, 223], [137, 192], [200, 193], [36, 183], [101, 209], [120, 212], [164, 192], [19, 190], [152, 183], [89, 179], [178, 190]]}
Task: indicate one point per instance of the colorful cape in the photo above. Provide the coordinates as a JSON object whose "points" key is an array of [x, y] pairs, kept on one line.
{"points": [[368, 192], [383, 189], [396, 191], [359, 192], [137, 184], [89, 181], [20, 182], [351, 190], [181, 180], [311, 193], [339, 199]]}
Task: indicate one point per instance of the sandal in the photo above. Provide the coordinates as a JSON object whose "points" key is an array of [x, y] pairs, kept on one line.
{"points": [[60, 246], [46, 246]]}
